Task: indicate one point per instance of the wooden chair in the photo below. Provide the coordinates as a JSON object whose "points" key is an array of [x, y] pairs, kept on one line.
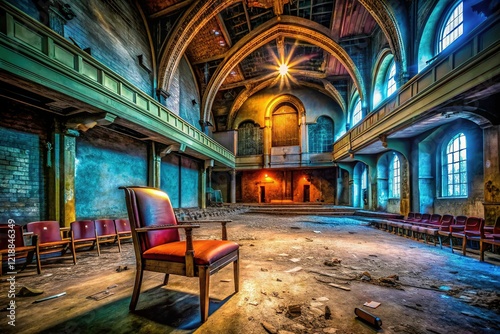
{"points": [[472, 231], [82, 234], [444, 231], [123, 231], [50, 239], [105, 232], [489, 237], [158, 246], [13, 250]]}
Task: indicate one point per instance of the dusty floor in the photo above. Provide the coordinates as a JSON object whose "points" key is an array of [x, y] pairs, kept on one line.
{"points": [[287, 263]]}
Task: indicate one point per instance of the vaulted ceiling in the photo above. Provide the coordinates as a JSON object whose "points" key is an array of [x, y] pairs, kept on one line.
{"points": [[235, 47]]}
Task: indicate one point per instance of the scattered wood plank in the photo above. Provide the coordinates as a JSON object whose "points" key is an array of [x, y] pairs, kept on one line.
{"points": [[339, 286]]}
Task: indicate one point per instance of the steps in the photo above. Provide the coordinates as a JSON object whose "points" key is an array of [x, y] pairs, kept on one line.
{"points": [[302, 209]]}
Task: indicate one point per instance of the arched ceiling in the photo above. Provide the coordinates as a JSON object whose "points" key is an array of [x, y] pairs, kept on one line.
{"points": [[233, 56]]}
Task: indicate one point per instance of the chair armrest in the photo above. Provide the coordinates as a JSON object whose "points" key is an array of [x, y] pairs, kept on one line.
{"points": [[203, 221], [222, 222], [164, 227]]}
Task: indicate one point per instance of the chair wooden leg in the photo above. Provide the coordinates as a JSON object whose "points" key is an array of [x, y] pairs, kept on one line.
{"points": [[73, 252], [236, 270], [98, 247], [464, 245], [204, 292], [119, 244], [137, 288], [481, 250], [165, 279], [451, 244]]}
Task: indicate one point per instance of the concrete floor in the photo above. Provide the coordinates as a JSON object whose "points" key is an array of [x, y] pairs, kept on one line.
{"points": [[287, 263]]}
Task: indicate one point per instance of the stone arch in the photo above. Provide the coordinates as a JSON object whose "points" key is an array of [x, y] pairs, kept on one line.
{"points": [[284, 26]]}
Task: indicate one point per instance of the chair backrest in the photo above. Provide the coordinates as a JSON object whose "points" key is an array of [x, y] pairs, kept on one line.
{"points": [[426, 217], [418, 216], [149, 207], [435, 219], [411, 215], [7, 237], [47, 230], [473, 224], [460, 220], [496, 227], [122, 226], [446, 221], [83, 229], [104, 227]]}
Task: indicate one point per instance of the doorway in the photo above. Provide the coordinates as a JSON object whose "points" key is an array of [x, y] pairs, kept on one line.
{"points": [[307, 193], [262, 194]]}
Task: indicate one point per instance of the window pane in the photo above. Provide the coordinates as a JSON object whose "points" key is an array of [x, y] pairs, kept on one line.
{"points": [[453, 27], [455, 167], [357, 115]]}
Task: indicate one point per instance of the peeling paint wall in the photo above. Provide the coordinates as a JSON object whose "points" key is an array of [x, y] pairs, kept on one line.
{"points": [[105, 161]]}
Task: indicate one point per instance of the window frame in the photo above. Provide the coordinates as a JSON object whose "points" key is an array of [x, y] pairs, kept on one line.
{"points": [[395, 178], [357, 110], [390, 82], [449, 151], [448, 19]]}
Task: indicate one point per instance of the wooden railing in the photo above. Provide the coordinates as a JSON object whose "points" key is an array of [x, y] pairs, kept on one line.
{"points": [[28, 49], [472, 62]]}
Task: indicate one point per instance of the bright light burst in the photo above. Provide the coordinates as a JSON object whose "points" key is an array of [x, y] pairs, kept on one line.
{"points": [[284, 67]]}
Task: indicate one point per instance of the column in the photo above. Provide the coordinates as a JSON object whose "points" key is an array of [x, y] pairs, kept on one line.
{"points": [[233, 186], [267, 142], [67, 167]]}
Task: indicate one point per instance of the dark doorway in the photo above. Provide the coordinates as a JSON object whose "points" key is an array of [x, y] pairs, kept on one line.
{"points": [[262, 194], [307, 193]]}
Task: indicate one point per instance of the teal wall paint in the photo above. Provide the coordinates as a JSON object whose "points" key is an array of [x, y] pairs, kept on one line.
{"points": [[104, 162]]}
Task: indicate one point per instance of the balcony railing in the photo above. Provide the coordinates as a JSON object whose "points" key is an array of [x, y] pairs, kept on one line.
{"points": [[26, 45], [474, 61]]}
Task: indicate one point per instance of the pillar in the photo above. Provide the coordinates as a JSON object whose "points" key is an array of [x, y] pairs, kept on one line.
{"points": [[233, 186], [267, 142], [154, 166]]}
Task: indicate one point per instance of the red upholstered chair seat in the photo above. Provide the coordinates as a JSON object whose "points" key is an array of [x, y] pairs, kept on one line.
{"points": [[206, 252], [158, 245]]}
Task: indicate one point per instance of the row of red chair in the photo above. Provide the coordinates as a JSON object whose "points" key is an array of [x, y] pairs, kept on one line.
{"points": [[95, 232], [49, 240], [445, 227]]}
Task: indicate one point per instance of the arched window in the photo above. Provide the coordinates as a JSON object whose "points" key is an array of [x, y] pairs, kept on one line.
{"points": [[321, 135], [391, 79], [356, 113], [452, 28], [285, 130], [249, 139], [394, 178], [455, 167]]}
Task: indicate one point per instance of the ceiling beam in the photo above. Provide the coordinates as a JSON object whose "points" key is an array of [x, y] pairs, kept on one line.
{"points": [[170, 9]]}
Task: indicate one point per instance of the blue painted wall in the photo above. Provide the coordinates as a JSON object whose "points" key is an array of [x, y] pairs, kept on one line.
{"points": [[105, 161]]}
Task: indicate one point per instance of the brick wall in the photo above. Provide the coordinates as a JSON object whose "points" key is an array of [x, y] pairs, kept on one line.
{"points": [[182, 93], [114, 32], [23, 191]]}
